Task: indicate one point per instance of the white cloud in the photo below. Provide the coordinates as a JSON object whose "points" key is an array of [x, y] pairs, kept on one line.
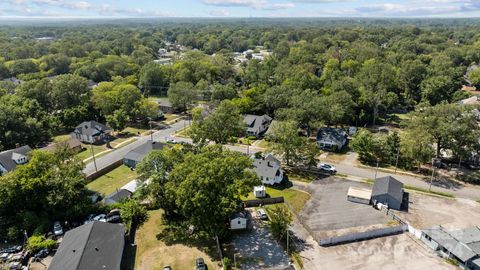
{"points": [[276, 6], [234, 3], [218, 13]]}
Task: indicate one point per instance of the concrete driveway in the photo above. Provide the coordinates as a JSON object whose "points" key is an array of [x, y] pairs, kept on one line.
{"points": [[256, 248]]}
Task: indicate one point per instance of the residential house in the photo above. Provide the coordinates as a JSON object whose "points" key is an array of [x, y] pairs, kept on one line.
{"points": [[72, 144], [389, 191], [268, 169], [460, 245], [96, 245], [13, 80], [259, 191], [473, 100], [11, 158], [165, 106], [256, 124], [117, 196], [239, 221], [332, 139], [137, 154], [91, 132]]}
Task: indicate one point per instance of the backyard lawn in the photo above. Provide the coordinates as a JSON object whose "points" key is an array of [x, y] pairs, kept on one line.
{"points": [[61, 138], [109, 182], [295, 198], [153, 253], [87, 152]]}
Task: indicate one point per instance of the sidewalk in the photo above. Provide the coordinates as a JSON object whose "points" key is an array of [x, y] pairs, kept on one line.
{"points": [[113, 148]]}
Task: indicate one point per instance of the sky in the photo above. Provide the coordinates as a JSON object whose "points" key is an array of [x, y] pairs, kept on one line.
{"points": [[239, 8]]}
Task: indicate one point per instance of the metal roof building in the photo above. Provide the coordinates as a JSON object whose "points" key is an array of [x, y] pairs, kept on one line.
{"points": [[388, 190], [97, 245]]}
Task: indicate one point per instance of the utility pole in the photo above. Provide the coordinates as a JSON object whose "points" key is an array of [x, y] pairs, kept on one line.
{"points": [[219, 250], [93, 156], [234, 261], [287, 241], [433, 173], [376, 171], [151, 131], [396, 162]]}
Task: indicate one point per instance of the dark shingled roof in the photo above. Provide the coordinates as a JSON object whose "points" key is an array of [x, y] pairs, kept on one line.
{"points": [[91, 128], [97, 245], [388, 185], [254, 122], [142, 150], [117, 196], [332, 134], [6, 157]]}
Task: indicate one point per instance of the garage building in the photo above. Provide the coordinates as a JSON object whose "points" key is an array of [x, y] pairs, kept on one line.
{"points": [[389, 191], [359, 195]]}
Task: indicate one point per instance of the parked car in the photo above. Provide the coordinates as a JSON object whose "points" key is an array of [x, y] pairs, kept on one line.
{"points": [[170, 140], [101, 217], [15, 266], [114, 212], [327, 168], [114, 219], [89, 219], [13, 249], [4, 256], [200, 264], [167, 267], [262, 214], [42, 253], [57, 228]]}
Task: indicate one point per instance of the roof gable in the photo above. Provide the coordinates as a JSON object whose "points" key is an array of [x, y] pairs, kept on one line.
{"points": [[91, 128], [388, 185]]}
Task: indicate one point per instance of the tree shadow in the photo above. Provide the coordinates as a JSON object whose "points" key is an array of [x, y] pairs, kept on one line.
{"points": [[129, 255]]}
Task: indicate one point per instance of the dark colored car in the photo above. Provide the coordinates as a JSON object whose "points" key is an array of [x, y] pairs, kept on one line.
{"points": [[114, 219], [200, 264]]}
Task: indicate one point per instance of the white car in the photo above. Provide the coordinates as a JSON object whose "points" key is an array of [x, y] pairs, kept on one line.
{"points": [[327, 168], [101, 217], [170, 140], [57, 228]]}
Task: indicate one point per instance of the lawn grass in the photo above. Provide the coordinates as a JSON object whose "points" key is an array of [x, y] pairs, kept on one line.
{"points": [[263, 144], [153, 253], [334, 157], [301, 176], [87, 152], [170, 117], [424, 190], [115, 143], [295, 198], [61, 138], [134, 131], [184, 132], [109, 182]]}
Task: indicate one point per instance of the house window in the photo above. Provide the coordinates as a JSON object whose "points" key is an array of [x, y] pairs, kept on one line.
{"points": [[239, 222]]}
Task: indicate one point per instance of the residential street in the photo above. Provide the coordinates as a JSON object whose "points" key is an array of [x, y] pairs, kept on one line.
{"points": [[118, 154]]}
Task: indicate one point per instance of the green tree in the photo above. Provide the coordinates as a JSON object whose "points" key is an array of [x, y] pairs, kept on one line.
{"points": [[133, 213], [182, 95], [223, 91], [280, 219], [210, 183], [153, 78], [220, 126], [286, 140], [370, 147], [118, 120]]}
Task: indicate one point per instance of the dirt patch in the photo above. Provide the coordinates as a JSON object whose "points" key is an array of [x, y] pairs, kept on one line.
{"points": [[427, 211], [393, 252]]}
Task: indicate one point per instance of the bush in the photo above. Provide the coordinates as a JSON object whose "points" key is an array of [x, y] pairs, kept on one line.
{"points": [[227, 263], [252, 138], [39, 242]]}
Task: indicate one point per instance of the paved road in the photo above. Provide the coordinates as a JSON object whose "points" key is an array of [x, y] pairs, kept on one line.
{"points": [[119, 153], [458, 190]]}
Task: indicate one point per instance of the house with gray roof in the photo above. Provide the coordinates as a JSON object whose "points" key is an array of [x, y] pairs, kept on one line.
{"points": [[91, 132], [136, 155], [11, 158], [268, 169], [256, 124], [389, 191], [460, 245], [118, 196], [96, 245], [331, 139]]}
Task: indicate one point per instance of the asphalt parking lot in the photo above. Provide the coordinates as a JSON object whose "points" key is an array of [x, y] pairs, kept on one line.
{"points": [[256, 248], [328, 208]]}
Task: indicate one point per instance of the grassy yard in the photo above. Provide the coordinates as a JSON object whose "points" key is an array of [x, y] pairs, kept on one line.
{"points": [[334, 157], [153, 253], [263, 144], [115, 143], [295, 198], [301, 176], [109, 182], [183, 133], [134, 131], [61, 138], [88, 152]]}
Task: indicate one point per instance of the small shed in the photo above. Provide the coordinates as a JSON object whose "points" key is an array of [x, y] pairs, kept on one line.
{"points": [[238, 221], [259, 191], [359, 195], [389, 191]]}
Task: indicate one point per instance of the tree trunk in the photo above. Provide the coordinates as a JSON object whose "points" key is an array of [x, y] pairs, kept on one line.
{"points": [[439, 141]]}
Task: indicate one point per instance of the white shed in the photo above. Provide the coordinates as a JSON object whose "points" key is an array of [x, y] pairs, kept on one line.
{"points": [[359, 195], [259, 191], [238, 221]]}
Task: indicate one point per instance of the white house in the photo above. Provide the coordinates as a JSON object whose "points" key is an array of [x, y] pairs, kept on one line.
{"points": [[268, 169], [259, 191], [256, 124], [91, 132], [238, 221]]}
